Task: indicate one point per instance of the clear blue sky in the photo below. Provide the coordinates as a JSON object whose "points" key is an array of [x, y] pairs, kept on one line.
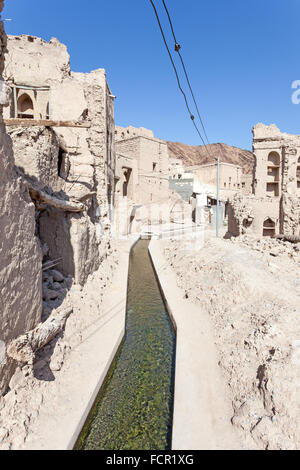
{"points": [[242, 56]]}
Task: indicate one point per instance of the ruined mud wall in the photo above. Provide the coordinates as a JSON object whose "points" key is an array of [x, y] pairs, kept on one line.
{"points": [[154, 182], [20, 254], [152, 159], [36, 154], [21, 66], [247, 214], [276, 184], [290, 215], [130, 131], [91, 156], [111, 159], [80, 162], [129, 147]]}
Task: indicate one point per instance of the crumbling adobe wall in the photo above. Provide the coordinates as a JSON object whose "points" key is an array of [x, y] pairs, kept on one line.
{"points": [[247, 214], [240, 215], [111, 159], [130, 131], [86, 156], [152, 159], [91, 158], [36, 154], [100, 139], [269, 140], [20, 253], [130, 147], [290, 215], [22, 68], [276, 183], [75, 239]]}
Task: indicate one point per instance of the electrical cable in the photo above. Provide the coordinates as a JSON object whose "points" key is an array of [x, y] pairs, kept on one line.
{"points": [[177, 76], [177, 49]]}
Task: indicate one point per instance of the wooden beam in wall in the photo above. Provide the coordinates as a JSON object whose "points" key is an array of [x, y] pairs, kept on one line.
{"points": [[45, 122]]}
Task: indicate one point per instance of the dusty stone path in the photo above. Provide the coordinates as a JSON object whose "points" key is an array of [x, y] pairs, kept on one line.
{"points": [[252, 299], [202, 410]]}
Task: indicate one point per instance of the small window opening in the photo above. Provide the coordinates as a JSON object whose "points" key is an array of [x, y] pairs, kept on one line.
{"points": [[127, 182], [269, 228], [60, 161], [25, 107]]}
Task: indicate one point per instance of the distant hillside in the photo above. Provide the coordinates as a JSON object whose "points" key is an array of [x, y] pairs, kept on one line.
{"points": [[197, 155]]}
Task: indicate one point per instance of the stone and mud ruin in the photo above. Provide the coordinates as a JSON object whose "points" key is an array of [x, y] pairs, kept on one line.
{"points": [[76, 192], [273, 208]]}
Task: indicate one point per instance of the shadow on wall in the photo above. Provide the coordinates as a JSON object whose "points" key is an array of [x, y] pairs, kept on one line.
{"points": [[53, 232], [53, 228]]}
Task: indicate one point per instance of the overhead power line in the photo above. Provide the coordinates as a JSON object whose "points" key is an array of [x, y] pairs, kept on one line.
{"points": [[177, 49], [177, 76]]}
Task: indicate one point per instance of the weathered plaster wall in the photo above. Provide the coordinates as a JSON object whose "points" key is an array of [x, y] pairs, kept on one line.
{"points": [[36, 154], [176, 168], [129, 146], [130, 131], [276, 183], [91, 157], [123, 164], [247, 214], [22, 66], [152, 159], [88, 154], [75, 239], [231, 178], [291, 215], [20, 253]]}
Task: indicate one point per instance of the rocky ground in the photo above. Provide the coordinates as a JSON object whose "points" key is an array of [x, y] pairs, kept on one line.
{"points": [[21, 406], [251, 290]]}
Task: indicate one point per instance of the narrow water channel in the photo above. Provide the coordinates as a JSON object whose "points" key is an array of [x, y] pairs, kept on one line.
{"points": [[134, 407]]}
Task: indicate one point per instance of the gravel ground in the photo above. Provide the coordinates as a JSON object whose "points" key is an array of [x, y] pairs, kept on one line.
{"points": [[251, 290]]}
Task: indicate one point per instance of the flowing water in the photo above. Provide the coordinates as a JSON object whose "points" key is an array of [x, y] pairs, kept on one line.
{"points": [[134, 407]]}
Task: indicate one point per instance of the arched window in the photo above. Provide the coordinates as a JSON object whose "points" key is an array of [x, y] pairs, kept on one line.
{"points": [[273, 174], [273, 159], [25, 107], [269, 228]]}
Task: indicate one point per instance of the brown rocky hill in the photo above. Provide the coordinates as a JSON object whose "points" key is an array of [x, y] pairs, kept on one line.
{"points": [[197, 155]]}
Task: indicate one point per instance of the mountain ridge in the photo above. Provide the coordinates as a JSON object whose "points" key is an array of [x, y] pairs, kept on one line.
{"points": [[198, 155]]}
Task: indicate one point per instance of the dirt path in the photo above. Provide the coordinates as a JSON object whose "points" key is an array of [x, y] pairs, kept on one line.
{"points": [[252, 299], [202, 410]]}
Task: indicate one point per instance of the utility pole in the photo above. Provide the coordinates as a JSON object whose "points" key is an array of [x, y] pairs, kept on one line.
{"points": [[218, 197]]}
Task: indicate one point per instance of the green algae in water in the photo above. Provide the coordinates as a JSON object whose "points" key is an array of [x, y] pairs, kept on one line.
{"points": [[133, 410]]}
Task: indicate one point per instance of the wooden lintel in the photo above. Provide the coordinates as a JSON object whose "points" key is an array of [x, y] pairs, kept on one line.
{"points": [[45, 122]]}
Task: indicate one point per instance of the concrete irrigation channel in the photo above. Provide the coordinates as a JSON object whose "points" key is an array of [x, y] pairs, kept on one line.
{"points": [[134, 407]]}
